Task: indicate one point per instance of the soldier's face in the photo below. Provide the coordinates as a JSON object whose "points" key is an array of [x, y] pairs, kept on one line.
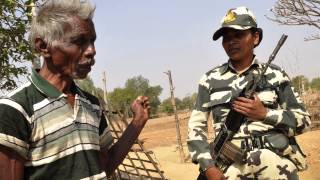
{"points": [[239, 44], [73, 54]]}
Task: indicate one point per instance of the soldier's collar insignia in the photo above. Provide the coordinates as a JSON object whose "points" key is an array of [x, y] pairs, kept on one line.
{"points": [[231, 16]]}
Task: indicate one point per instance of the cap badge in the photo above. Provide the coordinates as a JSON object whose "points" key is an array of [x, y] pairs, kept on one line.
{"points": [[231, 16]]}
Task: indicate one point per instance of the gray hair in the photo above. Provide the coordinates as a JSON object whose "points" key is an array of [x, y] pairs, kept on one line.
{"points": [[54, 15]]}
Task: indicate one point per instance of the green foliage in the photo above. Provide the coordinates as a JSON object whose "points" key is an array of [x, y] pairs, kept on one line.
{"points": [[88, 86], [189, 101], [14, 47], [166, 105], [121, 98], [315, 83], [300, 83]]}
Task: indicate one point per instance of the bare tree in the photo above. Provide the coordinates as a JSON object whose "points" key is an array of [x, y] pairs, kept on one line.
{"points": [[298, 12]]}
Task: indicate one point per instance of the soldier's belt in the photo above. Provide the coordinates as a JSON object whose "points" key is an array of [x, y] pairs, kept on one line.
{"points": [[274, 141], [235, 151]]}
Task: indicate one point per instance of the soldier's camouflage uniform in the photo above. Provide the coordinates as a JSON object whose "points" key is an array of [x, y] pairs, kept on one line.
{"points": [[286, 114]]}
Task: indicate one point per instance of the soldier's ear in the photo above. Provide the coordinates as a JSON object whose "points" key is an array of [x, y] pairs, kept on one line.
{"points": [[42, 47], [256, 36]]}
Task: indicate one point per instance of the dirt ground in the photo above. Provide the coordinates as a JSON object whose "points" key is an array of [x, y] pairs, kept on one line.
{"points": [[159, 135]]}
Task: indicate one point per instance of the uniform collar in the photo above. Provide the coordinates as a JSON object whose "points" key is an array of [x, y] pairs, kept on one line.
{"points": [[228, 66], [46, 88]]}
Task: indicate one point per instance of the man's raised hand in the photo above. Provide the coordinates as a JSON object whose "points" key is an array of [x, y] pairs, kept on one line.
{"points": [[141, 108]]}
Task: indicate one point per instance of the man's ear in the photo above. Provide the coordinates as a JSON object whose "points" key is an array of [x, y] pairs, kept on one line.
{"points": [[42, 47]]}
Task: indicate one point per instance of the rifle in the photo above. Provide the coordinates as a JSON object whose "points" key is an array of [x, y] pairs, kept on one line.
{"points": [[222, 148]]}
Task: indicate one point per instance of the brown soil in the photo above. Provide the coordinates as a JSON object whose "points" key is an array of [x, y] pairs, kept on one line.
{"points": [[159, 135]]}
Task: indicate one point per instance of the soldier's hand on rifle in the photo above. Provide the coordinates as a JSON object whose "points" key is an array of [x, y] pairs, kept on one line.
{"points": [[214, 173], [141, 109], [251, 108]]}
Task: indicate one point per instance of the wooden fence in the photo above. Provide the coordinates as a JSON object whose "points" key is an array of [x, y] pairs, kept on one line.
{"points": [[314, 111], [139, 164], [312, 101]]}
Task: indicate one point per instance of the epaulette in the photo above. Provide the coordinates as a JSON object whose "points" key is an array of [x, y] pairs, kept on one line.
{"points": [[278, 68], [225, 65]]}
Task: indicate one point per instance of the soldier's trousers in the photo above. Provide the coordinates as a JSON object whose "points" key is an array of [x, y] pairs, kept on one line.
{"points": [[263, 164]]}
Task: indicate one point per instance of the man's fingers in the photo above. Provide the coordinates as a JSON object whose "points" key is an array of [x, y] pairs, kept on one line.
{"points": [[256, 97], [241, 109], [144, 101], [252, 108], [243, 99], [142, 98], [146, 104], [139, 98], [247, 104]]}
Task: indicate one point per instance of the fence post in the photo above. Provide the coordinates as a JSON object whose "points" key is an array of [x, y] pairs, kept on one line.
{"points": [[176, 118]]}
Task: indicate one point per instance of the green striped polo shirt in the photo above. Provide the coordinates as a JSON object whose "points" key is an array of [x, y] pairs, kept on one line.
{"points": [[57, 140]]}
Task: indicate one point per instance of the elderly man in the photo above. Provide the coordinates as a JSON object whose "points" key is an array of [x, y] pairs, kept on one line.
{"points": [[49, 127]]}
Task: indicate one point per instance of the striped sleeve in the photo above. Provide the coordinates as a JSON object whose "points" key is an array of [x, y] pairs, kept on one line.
{"points": [[106, 139], [198, 129], [14, 126], [292, 116]]}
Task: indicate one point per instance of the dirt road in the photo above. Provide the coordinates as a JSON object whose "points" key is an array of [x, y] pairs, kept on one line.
{"points": [[159, 135]]}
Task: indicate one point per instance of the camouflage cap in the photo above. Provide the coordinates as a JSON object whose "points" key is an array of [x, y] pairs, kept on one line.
{"points": [[240, 18]]}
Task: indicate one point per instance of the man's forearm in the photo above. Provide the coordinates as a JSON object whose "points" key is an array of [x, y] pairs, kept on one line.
{"points": [[11, 164], [115, 155]]}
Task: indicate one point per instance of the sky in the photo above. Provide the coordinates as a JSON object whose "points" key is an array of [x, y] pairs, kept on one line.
{"points": [[150, 37]]}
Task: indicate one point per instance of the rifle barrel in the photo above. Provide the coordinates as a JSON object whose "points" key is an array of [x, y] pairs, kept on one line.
{"points": [[281, 41], [276, 50]]}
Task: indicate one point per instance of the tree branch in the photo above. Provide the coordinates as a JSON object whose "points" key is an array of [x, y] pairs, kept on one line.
{"points": [[298, 13]]}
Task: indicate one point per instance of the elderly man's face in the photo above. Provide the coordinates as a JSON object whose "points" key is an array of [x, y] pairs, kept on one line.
{"points": [[73, 54]]}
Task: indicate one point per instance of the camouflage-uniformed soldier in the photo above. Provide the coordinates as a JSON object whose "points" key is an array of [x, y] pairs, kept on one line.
{"points": [[273, 117]]}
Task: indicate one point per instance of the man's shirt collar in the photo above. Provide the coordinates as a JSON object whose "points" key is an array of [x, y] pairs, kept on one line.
{"points": [[48, 89]]}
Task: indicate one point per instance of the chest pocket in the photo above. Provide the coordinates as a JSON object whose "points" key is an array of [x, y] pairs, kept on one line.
{"points": [[268, 97], [89, 114], [219, 98], [267, 93], [220, 104]]}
